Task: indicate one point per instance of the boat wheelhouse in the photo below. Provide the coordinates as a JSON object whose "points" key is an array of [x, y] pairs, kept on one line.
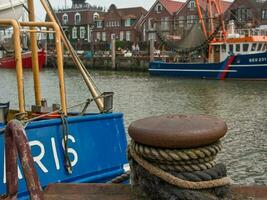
{"points": [[231, 53]]}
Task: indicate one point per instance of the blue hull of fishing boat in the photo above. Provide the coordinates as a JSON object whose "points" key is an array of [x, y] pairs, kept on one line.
{"points": [[252, 66], [97, 150]]}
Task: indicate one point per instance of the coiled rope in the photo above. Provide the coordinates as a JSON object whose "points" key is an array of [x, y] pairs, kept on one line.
{"points": [[146, 156]]}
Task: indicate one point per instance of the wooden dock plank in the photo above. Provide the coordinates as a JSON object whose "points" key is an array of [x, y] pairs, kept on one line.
{"points": [[124, 192]]}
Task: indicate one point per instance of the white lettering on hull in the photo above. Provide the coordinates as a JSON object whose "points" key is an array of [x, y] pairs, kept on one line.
{"points": [[38, 159]]}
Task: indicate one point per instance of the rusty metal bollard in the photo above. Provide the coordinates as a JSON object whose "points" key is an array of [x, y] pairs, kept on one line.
{"points": [[172, 157], [16, 144]]}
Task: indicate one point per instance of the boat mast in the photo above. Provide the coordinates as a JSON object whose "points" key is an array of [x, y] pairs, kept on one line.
{"points": [[214, 9], [34, 50]]}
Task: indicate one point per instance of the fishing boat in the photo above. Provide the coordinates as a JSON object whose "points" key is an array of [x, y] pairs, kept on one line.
{"points": [[65, 146], [9, 61], [231, 53]]}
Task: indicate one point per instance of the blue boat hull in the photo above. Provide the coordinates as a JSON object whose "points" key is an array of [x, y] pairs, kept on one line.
{"points": [[253, 66], [97, 150]]}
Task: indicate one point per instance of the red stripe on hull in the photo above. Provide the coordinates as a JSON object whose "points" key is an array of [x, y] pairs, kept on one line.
{"points": [[227, 67], [9, 62]]}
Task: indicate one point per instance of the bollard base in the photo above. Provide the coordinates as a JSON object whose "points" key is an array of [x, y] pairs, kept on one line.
{"points": [[153, 187]]}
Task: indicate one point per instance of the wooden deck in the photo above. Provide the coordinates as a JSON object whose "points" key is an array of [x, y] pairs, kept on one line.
{"points": [[123, 192]]}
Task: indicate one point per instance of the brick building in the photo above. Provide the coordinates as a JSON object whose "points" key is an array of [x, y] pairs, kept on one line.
{"points": [[159, 18], [118, 23], [188, 15], [247, 13], [78, 22]]}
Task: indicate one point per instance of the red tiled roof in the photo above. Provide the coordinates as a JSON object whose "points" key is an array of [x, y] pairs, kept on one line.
{"points": [[226, 5], [171, 6]]}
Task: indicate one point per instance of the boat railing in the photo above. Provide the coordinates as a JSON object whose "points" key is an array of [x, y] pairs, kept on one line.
{"points": [[251, 32]]}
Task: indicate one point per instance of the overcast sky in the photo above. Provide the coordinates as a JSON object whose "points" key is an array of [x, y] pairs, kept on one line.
{"points": [[104, 3]]}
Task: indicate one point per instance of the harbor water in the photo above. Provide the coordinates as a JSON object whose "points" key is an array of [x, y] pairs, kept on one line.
{"points": [[242, 104]]}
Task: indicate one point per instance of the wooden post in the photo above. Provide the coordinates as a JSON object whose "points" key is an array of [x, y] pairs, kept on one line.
{"points": [[152, 49], [113, 53], [35, 62]]}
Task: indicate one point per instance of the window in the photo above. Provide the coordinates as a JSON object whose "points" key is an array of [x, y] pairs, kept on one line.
{"points": [[191, 4], [99, 24], [127, 22], [98, 36], [264, 47], [95, 16], [231, 48], [128, 35], [190, 20], [245, 47], [74, 32], [82, 32], [150, 23], [159, 8], [264, 14], [51, 35], [243, 14], [237, 47], [224, 48], [104, 36], [259, 47], [253, 47], [77, 18], [121, 35], [65, 19], [151, 36], [165, 23], [113, 36], [181, 21], [217, 48]]}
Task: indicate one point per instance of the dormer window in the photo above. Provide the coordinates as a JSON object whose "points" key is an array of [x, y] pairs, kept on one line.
{"points": [[77, 18], [191, 4], [159, 8], [65, 19], [95, 16]]}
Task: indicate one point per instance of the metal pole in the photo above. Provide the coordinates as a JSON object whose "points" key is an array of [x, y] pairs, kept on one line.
{"points": [[152, 49], [34, 49], [59, 58], [81, 68], [201, 19], [113, 53], [16, 40], [60, 68]]}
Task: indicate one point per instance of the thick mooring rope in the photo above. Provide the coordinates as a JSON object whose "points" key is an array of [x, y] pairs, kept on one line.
{"points": [[192, 155], [172, 179]]}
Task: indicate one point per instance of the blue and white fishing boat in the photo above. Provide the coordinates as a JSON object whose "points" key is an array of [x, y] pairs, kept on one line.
{"points": [[237, 54], [66, 147]]}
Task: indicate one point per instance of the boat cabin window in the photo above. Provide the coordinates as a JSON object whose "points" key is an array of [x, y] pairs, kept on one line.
{"points": [[231, 48], [217, 48], [264, 47], [224, 48], [259, 47], [245, 47], [237, 48], [253, 47]]}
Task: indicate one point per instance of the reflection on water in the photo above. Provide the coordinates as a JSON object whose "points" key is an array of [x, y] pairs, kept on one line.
{"points": [[243, 104]]}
